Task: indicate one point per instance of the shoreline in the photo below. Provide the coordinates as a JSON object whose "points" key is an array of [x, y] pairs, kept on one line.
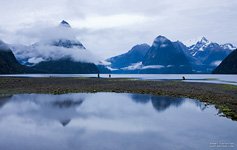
{"points": [[223, 96]]}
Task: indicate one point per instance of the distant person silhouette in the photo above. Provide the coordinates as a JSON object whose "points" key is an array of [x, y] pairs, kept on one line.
{"points": [[109, 75], [98, 75], [184, 78]]}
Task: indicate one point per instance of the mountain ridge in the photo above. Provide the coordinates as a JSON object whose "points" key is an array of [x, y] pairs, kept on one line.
{"points": [[203, 56]]}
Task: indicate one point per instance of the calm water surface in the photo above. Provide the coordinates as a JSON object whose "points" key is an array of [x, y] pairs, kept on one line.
{"points": [[111, 121], [206, 78]]}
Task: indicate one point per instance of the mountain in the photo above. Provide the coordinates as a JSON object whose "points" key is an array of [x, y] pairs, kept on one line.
{"points": [[165, 56], [64, 41], [61, 53], [164, 52], [228, 65], [65, 66], [135, 55], [199, 46], [193, 61], [8, 62], [228, 46], [207, 55]]}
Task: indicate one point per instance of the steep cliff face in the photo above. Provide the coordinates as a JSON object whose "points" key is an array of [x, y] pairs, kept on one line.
{"points": [[8, 62], [228, 65]]}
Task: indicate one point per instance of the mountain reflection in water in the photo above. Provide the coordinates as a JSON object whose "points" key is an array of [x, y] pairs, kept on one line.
{"points": [[64, 107], [161, 103], [53, 107], [109, 121]]}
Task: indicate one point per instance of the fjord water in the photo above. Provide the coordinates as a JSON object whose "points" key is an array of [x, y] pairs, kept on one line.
{"points": [[204, 78], [110, 121]]}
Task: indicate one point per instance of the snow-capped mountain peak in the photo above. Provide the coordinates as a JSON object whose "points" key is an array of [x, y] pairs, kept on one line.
{"points": [[194, 41], [228, 46], [201, 45]]}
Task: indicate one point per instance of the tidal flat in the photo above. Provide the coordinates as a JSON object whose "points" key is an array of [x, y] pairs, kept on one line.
{"points": [[224, 97]]}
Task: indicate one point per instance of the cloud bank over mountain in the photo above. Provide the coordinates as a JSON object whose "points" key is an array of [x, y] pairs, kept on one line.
{"points": [[36, 54], [111, 27], [53, 43]]}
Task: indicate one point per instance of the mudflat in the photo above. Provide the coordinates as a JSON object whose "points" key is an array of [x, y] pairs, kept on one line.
{"points": [[222, 96]]}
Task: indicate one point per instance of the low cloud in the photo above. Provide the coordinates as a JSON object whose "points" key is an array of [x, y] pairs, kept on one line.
{"points": [[216, 63], [42, 46], [36, 54], [140, 66]]}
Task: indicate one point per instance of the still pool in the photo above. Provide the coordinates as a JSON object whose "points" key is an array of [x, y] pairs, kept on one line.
{"points": [[110, 121]]}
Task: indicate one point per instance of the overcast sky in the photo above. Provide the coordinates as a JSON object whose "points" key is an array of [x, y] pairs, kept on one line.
{"points": [[111, 27]]}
